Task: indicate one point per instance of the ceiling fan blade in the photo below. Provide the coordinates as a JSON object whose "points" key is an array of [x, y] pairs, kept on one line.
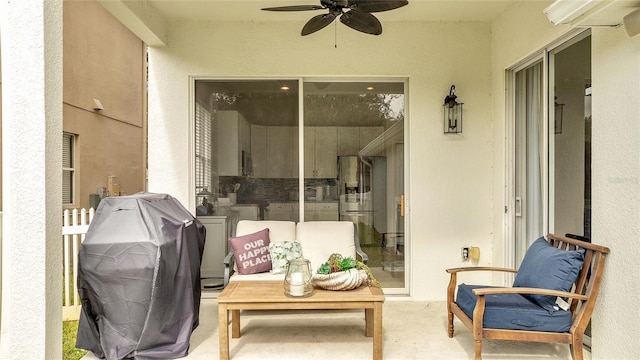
{"points": [[295, 8], [362, 21], [317, 22], [370, 6]]}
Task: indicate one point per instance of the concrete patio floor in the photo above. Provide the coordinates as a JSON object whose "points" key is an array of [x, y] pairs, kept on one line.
{"points": [[412, 330]]}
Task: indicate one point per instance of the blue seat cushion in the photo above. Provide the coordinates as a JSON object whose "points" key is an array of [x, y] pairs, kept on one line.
{"points": [[513, 311]]}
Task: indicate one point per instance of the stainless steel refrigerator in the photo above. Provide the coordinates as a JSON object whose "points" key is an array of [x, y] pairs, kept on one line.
{"points": [[362, 195]]}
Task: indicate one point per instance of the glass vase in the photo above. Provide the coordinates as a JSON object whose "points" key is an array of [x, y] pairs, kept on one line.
{"points": [[297, 282]]}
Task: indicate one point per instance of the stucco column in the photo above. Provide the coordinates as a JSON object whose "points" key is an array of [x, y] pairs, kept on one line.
{"points": [[616, 190], [32, 178]]}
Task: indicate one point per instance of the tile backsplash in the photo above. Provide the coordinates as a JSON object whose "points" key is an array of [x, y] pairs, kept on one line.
{"points": [[257, 190]]}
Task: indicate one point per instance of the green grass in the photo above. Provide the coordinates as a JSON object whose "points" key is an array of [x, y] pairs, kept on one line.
{"points": [[70, 331], [69, 350]]}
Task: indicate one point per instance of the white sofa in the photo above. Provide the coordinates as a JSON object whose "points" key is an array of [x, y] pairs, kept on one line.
{"points": [[318, 239]]}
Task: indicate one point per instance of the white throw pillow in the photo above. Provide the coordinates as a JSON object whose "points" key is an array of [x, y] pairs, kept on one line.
{"points": [[281, 253]]}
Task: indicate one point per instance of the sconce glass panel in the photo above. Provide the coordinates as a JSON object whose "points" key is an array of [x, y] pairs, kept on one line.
{"points": [[452, 118]]}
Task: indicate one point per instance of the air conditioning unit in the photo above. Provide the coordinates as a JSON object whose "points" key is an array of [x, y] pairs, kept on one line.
{"points": [[590, 13], [632, 23]]}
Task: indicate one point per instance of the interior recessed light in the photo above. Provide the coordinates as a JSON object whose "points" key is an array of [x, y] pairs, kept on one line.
{"points": [[370, 88], [284, 87]]}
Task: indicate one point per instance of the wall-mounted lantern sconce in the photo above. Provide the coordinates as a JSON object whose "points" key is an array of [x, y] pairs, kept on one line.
{"points": [[452, 113], [558, 117]]}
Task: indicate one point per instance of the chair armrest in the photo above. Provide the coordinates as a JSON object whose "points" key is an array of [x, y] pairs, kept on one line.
{"points": [[356, 242], [363, 256], [524, 290], [453, 280], [480, 268], [229, 261]]}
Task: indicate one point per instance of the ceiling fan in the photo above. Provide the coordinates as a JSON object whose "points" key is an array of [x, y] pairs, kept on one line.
{"points": [[357, 16]]}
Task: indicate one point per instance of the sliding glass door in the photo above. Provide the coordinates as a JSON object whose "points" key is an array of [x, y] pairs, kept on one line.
{"points": [[549, 175], [308, 150]]}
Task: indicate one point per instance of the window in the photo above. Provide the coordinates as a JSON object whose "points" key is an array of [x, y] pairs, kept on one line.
{"points": [[68, 168], [203, 148]]}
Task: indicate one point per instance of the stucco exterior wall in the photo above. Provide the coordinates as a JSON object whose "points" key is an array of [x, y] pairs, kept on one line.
{"points": [[0, 128], [32, 158], [432, 55], [615, 164], [106, 61], [616, 189]]}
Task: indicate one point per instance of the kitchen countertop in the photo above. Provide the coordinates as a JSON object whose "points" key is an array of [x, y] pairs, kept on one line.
{"points": [[222, 213], [306, 202]]}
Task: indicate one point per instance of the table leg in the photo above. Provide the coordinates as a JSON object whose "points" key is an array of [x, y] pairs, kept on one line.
{"points": [[223, 331], [235, 324], [368, 321], [377, 330]]}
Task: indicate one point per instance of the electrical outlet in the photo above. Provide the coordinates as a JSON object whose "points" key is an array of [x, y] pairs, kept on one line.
{"points": [[465, 253]]}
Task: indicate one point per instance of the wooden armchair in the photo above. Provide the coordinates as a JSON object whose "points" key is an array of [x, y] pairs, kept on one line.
{"points": [[580, 300]]}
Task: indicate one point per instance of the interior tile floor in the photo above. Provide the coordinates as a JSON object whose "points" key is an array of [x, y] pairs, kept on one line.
{"points": [[411, 330]]}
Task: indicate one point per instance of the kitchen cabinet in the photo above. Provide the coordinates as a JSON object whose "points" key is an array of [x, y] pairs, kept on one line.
{"points": [[234, 138], [282, 211], [274, 151], [353, 139], [282, 154], [259, 155], [219, 229], [348, 140], [321, 211], [320, 152]]}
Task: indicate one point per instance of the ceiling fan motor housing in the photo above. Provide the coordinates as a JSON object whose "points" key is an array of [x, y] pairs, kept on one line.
{"points": [[335, 3]]}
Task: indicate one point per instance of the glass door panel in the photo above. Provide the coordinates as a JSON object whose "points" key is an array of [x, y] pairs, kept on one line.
{"points": [[572, 142], [530, 173], [572, 139], [354, 166], [247, 155]]}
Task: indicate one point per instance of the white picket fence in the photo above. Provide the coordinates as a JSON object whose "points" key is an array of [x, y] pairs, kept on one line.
{"points": [[75, 224]]}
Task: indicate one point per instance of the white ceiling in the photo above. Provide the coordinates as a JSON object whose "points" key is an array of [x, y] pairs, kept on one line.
{"points": [[249, 10]]}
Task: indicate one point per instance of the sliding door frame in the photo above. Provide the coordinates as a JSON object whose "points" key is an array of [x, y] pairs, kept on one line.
{"points": [[544, 55]]}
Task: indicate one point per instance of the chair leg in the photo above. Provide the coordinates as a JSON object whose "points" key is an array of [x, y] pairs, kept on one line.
{"points": [[450, 298], [576, 348], [478, 349]]}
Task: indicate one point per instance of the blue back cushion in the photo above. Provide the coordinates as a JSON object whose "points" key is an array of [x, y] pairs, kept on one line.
{"points": [[547, 267]]}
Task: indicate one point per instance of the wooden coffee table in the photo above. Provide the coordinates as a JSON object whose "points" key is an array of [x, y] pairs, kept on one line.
{"points": [[269, 295]]}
